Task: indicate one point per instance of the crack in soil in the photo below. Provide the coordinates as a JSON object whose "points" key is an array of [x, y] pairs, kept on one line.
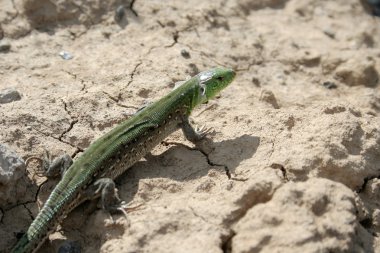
{"points": [[175, 39], [75, 76], [1, 215], [239, 213], [117, 101], [76, 152], [272, 151], [209, 162], [29, 212], [201, 217], [71, 126], [57, 138], [175, 36], [283, 170], [366, 180], [209, 57], [71, 74], [72, 123], [34, 201], [24, 204], [131, 7], [84, 86], [133, 73], [277, 165], [227, 242]]}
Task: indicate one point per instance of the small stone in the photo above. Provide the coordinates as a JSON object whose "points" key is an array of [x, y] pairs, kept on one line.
{"points": [[357, 72], [119, 13], [193, 69], [5, 46], [65, 55], [12, 169], [9, 95], [256, 81], [330, 33], [106, 34], [268, 97], [185, 54], [329, 85], [309, 58], [229, 185]]}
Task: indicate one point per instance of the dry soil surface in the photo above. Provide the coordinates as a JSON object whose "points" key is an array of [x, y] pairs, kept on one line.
{"points": [[298, 129]]}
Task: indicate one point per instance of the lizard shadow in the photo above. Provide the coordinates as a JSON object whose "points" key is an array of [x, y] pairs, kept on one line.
{"points": [[182, 163]]}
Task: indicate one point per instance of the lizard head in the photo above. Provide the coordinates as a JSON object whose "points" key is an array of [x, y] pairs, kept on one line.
{"points": [[211, 82]]}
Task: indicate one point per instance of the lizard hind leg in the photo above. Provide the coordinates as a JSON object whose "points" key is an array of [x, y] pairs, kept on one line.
{"points": [[109, 198], [52, 167]]}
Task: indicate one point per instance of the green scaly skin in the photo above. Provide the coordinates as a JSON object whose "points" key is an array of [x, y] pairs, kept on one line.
{"points": [[116, 151]]}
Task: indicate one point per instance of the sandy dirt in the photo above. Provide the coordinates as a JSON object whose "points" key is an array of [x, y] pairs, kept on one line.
{"points": [[298, 129]]}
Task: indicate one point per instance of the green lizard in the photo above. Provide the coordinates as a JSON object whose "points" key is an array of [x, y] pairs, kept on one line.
{"points": [[91, 175]]}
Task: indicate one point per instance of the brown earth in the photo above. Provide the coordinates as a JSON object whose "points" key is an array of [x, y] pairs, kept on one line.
{"points": [[298, 129]]}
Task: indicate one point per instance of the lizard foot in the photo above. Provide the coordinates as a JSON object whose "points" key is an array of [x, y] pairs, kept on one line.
{"points": [[109, 198], [49, 167], [194, 134], [203, 131]]}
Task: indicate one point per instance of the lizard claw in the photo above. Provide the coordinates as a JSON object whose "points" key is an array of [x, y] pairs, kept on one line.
{"points": [[203, 131], [124, 208]]}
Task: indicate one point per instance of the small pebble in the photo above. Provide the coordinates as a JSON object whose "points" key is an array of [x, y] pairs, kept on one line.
{"points": [[330, 85], [9, 95], [12, 168], [193, 69], [106, 34], [185, 54], [229, 185], [329, 33], [268, 97], [256, 81], [119, 13], [4, 46], [65, 55]]}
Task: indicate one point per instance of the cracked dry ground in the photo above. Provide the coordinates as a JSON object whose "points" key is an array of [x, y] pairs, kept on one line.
{"points": [[298, 130]]}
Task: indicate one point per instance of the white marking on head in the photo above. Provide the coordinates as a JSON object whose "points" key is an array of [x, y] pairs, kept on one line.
{"points": [[205, 76]]}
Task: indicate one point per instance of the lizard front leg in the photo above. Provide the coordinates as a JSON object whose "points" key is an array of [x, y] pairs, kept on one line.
{"points": [[193, 135]]}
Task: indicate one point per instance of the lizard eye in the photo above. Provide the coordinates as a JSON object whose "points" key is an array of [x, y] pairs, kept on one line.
{"points": [[220, 78]]}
